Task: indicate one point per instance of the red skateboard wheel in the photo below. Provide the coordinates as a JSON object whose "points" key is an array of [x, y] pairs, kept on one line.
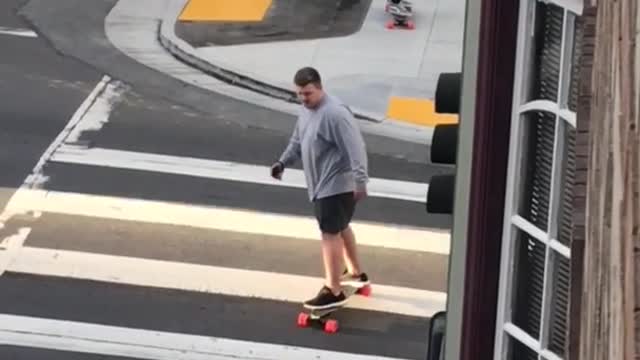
{"points": [[365, 290], [303, 319], [331, 326]]}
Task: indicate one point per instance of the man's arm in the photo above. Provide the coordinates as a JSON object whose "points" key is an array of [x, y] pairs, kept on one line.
{"points": [[292, 152], [346, 133]]}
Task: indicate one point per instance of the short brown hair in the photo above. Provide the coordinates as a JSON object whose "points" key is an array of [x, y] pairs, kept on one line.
{"points": [[307, 75]]}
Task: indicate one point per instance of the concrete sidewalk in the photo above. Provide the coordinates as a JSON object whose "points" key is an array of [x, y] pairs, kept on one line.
{"points": [[384, 75]]}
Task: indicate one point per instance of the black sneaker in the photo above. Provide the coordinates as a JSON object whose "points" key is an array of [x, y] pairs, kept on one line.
{"points": [[358, 281], [326, 300]]}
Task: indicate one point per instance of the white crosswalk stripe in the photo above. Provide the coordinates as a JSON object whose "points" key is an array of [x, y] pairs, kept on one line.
{"points": [[299, 227], [33, 198], [145, 344], [226, 170], [211, 279]]}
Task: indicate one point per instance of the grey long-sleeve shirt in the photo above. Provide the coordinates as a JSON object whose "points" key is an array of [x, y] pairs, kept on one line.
{"points": [[328, 141]]}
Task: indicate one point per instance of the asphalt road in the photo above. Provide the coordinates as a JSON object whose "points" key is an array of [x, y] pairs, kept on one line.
{"points": [[40, 91], [43, 82]]}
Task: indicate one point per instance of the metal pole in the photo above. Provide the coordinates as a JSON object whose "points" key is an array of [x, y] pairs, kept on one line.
{"points": [[458, 253]]}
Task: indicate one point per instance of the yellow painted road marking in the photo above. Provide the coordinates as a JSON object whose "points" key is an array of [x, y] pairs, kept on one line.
{"points": [[417, 111], [225, 10]]}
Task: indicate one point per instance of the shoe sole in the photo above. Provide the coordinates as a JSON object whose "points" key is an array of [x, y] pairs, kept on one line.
{"points": [[326, 307], [354, 283]]}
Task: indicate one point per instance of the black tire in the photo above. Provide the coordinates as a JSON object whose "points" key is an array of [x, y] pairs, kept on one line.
{"points": [[440, 194], [437, 329], [448, 92], [444, 144]]}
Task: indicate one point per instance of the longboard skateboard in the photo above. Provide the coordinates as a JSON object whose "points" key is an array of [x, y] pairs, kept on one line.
{"points": [[320, 316], [401, 18]]}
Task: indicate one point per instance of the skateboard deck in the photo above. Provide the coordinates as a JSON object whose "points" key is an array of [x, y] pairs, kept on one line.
{"points": [[320, 316], [407, 24]]}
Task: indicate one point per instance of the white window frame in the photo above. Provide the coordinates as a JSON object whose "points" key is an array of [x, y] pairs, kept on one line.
{"points": [[574, 6], [513, 222]]}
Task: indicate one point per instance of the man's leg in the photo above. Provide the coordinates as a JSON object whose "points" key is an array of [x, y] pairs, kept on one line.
{"points": [[350, 252], [329, 214], [332, 245], [354, 276]]}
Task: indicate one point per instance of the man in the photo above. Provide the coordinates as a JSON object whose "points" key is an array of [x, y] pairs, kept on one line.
{"points": [[327, 140]]}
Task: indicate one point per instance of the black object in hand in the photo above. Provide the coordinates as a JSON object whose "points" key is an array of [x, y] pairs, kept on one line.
{"points": [[277, 169]]}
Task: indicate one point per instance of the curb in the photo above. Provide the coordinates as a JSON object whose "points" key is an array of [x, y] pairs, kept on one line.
{"points": [[185, 53]]}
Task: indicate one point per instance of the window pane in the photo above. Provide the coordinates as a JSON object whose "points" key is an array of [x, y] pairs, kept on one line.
{"points": [[528, 282], [565, 222], [548, 45], [536, 166], [559, 304], [519, 351]]}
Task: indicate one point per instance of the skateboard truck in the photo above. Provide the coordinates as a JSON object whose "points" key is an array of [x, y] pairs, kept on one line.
{"points": [[319, 316]]}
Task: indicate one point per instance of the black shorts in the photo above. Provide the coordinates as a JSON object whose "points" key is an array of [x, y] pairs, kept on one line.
{"points": [[334, 212]]}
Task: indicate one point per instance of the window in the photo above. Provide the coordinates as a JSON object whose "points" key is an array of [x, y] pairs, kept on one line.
{"points": [[534, 279]]}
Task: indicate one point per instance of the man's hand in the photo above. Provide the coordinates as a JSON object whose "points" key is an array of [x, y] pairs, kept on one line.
{"points": [[276, 170]]}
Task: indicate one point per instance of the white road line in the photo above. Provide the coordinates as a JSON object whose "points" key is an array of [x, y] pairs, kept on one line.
{"points": [[225, 170], [245, 221], [10, 246], [214, 280], [147, 344], [35, 179], [98, 112], [17, 32]]}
